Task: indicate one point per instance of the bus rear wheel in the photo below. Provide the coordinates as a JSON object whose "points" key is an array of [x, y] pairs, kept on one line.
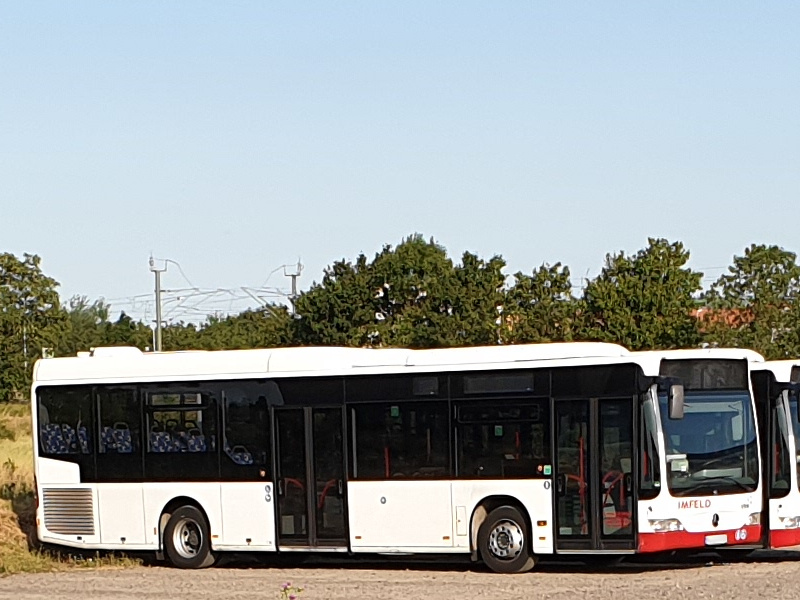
{"points": [[186, 539], [504, 541]]}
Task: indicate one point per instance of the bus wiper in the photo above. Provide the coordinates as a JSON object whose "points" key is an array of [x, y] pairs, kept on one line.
{"points": [[717, 478]]}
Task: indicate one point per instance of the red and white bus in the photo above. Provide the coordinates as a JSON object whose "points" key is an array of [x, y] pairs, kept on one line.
{"points": [[776, 385], [711, 454], [502, 453]]}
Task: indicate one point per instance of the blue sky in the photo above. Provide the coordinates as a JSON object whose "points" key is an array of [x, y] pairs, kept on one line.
{"points": [[235, 137]]}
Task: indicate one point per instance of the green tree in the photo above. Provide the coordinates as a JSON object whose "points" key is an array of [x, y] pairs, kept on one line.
{"points": [[30, 319], [180, 336], [267, 327], [83, 326], [335, 311], [644, 301], [126, 332], [409, 296], [755, 304], [540, 307]]}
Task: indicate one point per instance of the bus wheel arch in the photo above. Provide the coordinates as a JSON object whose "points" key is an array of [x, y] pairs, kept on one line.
{"points": [[185, 534], [501, 535]]}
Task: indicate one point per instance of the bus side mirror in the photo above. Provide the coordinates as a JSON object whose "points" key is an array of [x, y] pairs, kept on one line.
{"points": [[676, 401]]}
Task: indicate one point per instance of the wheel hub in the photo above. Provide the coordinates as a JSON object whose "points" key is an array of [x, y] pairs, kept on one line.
{"points": [[188, 539], [506, 540]]}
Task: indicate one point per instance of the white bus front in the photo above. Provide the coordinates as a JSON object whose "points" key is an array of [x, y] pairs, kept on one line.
{"points": [[710, 485]]}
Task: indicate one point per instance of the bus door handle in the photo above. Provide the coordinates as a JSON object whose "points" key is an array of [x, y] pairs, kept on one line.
{"points": [[561, 484], [280, 486], [341, 488]]}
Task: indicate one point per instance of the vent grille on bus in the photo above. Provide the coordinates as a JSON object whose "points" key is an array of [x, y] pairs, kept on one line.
{"points": [[68, 511]]}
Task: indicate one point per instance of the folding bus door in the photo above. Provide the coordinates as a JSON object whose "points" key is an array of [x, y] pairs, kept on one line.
{"points": [[593, 470], [310, 478]]}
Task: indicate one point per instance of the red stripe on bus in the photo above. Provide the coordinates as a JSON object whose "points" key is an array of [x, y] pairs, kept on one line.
{"points": [[676, 540], [780, 538]]}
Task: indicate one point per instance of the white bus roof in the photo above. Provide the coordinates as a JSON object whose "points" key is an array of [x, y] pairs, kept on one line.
{"points": [[644, 357], [781, 369], [121, 364]]}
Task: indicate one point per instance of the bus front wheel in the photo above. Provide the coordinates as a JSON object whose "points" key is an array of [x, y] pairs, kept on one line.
{"points": [[186, 539], [504, 541]]}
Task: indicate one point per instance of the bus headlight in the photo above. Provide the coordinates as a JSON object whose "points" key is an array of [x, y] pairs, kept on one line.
{"points": [[754, 519], [663, 525], [790, 522]]}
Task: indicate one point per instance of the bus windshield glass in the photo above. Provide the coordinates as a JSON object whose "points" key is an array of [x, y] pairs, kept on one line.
{"points": [[712, 449], [794, 399]]}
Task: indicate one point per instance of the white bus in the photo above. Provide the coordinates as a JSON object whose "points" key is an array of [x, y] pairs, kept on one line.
{"points": [[776, 385], [501, 453], [712, 453]]}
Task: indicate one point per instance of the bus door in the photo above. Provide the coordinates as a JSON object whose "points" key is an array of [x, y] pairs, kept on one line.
{"points": [[593, 474], [310, 478]]}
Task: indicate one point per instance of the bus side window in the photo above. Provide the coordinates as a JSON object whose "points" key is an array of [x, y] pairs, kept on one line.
{"points": [[649, 472], [245, 443], [502, 440], [403, 440], [65, 422], [118, 434]]}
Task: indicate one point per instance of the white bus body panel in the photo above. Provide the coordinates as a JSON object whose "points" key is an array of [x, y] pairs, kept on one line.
{"points": [[248, 516], [400, 516], [536, 495], [697, 512], [158, 495], [121, 515], [436, 516], [127, 515], [696, 516], [56, 472]]}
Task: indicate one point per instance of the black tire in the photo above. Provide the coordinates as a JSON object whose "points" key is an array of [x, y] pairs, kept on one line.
{"points": [[504, 541], [187, 541]]}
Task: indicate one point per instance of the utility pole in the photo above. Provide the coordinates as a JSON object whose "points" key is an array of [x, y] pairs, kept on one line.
{"points": [[157, 271], [294, 295]]}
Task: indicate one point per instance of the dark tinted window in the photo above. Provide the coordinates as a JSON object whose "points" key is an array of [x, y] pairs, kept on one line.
{"points": [[508, 383], [707, 374], [246, 440], [181, 440], [66, 426], [649, 470], [405, 441], [780, 468], [119, 431], [395, 387], [500, 440], [592, 382], [310, 391], [497, 383]]}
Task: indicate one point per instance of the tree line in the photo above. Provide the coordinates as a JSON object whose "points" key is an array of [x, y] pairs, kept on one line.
{"points": [[414, 295]]}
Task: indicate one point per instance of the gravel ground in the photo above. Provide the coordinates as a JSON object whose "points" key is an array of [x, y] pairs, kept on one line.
{"points": [[772, 575]]}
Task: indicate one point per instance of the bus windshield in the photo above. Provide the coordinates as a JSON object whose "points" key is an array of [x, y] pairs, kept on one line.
{"points": [[712, 449], [794, 399]]}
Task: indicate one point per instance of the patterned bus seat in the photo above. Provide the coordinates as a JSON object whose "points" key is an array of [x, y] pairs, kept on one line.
{"points": [[239, 455], [123, 438], [70, 437], [107, 438], [160, 441], [83, 438], [179, 443], [196, 441], [53, 439]]}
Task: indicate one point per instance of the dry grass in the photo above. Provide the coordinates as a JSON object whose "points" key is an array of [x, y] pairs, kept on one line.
{"points": [[19, 550]]}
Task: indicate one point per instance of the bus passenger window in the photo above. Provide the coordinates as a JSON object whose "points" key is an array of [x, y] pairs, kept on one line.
{"points": [[503, 441], [404, 440], [245, 443], [65, 421]]}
